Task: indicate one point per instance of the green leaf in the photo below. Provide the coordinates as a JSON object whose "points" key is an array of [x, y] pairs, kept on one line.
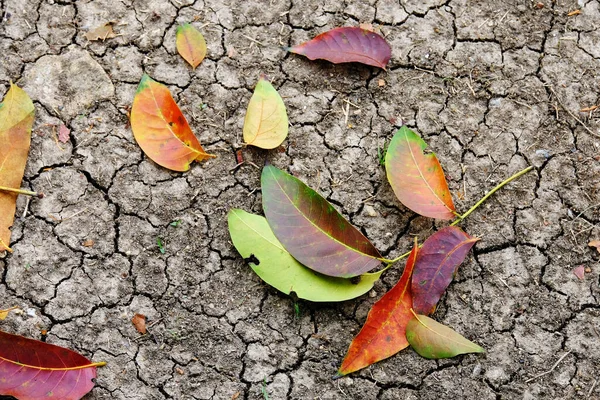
{"points": [[312, 230], [255, 241], [433, 340], [161, 245]]}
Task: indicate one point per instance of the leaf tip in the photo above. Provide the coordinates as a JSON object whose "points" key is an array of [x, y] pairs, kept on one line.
{"points": [[338, 375]]}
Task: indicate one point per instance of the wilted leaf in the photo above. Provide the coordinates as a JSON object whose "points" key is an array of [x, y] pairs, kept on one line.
{"points": [[102, 32], [348, 44], [596, 244], [190, 44], [4, 313], [433, 340], [256, 243], [139, 321], [438, 260], [16, 120], [312, 230], [63, 134], [30, 369], [383, 333], [266, 122], [161, 130], [579, 272], [417, 178]]}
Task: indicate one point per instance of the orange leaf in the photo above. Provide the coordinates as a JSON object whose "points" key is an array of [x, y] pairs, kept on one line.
{"points": [[139, 321], [384, 332], [16, 120], [190, 44], [416, 177], [30, 369], [161, 130]]}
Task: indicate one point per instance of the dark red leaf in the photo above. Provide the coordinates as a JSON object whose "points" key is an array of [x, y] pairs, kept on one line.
{"points": [[436, 265], [348, 44]]}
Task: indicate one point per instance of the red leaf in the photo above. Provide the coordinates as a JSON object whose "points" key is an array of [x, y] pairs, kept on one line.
{"points": [[34, 370], [139, 321], [436, 265], [579, 272], [384, 332], [417, 178], [348, 44], [63, 134]]}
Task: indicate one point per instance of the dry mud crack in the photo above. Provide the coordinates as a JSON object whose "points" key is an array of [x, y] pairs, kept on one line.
{"points": [[491, 86]]}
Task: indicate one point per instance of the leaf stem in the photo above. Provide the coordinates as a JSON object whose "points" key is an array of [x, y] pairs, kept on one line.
{"points": [[465, 215], [21, 191], [491, 192]]}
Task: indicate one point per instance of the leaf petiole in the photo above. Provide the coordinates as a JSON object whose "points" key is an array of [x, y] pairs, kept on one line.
{"points": [[460, 218], [21, 191]]}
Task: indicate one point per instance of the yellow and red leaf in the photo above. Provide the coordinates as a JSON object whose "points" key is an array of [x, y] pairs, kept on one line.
{"points": [[190, 44]]}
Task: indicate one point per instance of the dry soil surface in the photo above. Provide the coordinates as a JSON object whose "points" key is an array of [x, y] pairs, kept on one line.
{"points": [[492, 86]]}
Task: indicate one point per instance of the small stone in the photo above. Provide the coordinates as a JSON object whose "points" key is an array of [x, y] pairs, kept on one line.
{"points": [[370, 211]]}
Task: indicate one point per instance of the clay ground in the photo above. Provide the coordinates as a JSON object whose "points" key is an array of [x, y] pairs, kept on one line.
{"points": [[492, 86]]}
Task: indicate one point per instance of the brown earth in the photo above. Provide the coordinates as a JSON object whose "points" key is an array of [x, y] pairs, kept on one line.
{"points": [[492, 86]]}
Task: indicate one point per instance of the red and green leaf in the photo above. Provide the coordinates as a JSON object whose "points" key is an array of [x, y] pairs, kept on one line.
{"points": [[16, 120], [436, 265], [417, 178], [34, 370], [434, 341], [347, 44], [161, 130], [311, 229], [384, 331], [190, 44]]}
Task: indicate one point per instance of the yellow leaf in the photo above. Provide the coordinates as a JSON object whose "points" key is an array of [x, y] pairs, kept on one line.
{"points": [[266, 123]]}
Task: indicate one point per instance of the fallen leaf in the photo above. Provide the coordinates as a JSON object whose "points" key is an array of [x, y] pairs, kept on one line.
{"points": [[4, 313], [417, 178], [436, 265], [88, 243], [139, 321], [190, 44], [31, 369], [596, 244], [572, 13], [266, 122], [434, 341], [256, 243], [161, 130], [102, 32], [179, 371], [384, 331], [312, 230], [236, 395], [579, 272], [347, 44], [16, 119], [63, 134], [588, 109]]}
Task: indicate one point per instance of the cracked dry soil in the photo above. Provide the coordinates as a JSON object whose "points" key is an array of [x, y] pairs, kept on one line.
{"points": [[492, 86]]}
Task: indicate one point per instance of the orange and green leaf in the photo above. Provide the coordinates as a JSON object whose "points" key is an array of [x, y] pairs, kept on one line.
{"points": [[384, 332], [436, 265], [266, 122], [312, 230], [347, 44], [16, 120], [161, 130], [417, 178], [30, 369], [434, 341], [190, 44]]}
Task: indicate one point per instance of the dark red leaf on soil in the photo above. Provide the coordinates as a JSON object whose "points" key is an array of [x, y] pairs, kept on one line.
{"points": [[436, 265], [347, 44]]}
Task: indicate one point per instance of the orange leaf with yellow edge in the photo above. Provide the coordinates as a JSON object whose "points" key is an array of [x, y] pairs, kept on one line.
{"points": [[16, 120], [34, 370], [384, 332], [161, 130], [190, 44], [266, 122]]}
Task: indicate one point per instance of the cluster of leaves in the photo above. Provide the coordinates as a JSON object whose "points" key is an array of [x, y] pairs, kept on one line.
{"points": [[305, 246]]}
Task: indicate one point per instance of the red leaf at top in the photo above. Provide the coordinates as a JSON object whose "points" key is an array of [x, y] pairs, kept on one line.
{"points": [[384, 332], [34, 370], [436, 265], [348, 44]]}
